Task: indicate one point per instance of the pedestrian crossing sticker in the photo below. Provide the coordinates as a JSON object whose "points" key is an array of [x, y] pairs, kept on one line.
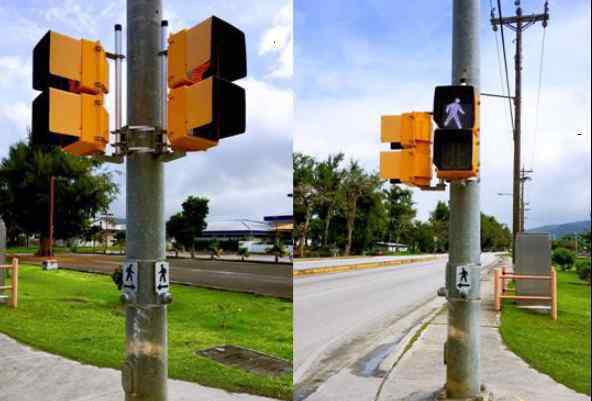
{"points": [[161, 277], [463, 278], [130, 277]]}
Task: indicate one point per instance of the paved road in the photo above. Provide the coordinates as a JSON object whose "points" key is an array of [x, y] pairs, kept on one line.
{"points": [[260, 278], [329, 262], [335, 313]]}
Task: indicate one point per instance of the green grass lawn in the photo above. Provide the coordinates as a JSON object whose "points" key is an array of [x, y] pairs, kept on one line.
{"points": [[559, 348], [79, 316]]}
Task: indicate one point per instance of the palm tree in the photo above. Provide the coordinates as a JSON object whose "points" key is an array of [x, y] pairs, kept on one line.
{"points": [[328, 181], [355, 183], [305, 196]]}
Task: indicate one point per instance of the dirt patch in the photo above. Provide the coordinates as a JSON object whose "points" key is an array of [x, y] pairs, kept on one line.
{"points": [[249, 360], [75, 300]]}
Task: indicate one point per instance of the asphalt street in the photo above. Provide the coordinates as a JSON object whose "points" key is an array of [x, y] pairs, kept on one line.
{"points": [[254, 277], [330, 262], [335, 314]]}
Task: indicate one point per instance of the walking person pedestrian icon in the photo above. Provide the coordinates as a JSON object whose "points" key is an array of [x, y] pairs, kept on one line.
{"points": [[161, 277], [129, 273], [163, 274], [464, 274], [452, 110]]}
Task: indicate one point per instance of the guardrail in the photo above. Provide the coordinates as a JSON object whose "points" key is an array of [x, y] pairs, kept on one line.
{"points": [[501, 290], [14, 267]]}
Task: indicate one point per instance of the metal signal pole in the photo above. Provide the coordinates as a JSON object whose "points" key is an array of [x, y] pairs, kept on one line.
{"points": [[463, 379], [145, 371]]}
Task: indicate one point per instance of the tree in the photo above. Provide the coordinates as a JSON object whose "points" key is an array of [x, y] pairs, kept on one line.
{"points": [[304, 197], [355, 183], [278, 250], [583, 269], [120, 240], [494, 235], [400, 212], [564, 258], [328, 180], [439, 219], [83, 190], [243, 253], [188, 224]]}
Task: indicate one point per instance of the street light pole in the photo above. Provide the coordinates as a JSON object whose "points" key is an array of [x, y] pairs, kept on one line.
{"points": [[145, 371], [463, 379]]}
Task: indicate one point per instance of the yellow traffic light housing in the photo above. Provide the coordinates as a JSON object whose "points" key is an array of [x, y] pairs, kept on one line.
{"points": [[73, 76], [204, 106], [410, 134], [212, 47], [77, 122], [456, 142], [203, 113], [74, 65]]}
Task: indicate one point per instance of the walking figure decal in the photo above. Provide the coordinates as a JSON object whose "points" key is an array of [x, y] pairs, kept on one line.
{"points": [[452, 110]]}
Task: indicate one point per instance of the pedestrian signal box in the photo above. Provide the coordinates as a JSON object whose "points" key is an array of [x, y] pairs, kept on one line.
{"points": [[204, 105], [456, 141], [73, 76], [410, 136]]}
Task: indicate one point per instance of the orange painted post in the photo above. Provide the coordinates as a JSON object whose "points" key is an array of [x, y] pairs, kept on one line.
{"points": [[14, 289], [496, 288], [553, 293]]}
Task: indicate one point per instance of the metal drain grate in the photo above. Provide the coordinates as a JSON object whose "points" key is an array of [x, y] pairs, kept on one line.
{"points": [[249, 360]]}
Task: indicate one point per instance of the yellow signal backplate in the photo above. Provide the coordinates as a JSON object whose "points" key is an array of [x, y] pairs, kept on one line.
{"points": [[190, 107], [81, 61], [406, 129]]}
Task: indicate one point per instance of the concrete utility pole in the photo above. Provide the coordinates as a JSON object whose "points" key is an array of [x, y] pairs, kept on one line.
{"points": [[463, 379], [145, 371], [518, 24]]}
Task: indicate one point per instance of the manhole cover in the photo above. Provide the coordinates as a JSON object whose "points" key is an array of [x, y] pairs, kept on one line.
{"points": [[248, 360]]}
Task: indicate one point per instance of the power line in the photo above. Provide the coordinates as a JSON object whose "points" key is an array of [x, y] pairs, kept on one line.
{"points": [[499, 13], [500, 72], [538, 101]]}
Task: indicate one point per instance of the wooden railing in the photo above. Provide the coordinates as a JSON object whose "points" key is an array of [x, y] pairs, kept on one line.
{"points": [[14, 268], [501, 292]]}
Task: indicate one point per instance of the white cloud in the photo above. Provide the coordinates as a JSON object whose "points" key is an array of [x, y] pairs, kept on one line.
{"points": [[14, 70], [278, 40], [19, 115]]}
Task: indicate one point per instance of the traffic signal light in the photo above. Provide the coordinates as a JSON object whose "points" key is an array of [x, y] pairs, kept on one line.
{"points": [[456, 141], [204, 105], [73, 76], [410, 134]]}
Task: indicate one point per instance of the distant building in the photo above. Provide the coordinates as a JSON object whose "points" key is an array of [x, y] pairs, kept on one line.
{"points": [[392, 246], [108, 227], [255, 235]]}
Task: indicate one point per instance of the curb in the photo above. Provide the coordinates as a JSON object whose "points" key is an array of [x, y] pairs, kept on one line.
{"points": [[360, 266]]}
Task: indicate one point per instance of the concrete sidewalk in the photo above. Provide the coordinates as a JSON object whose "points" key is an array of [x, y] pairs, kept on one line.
{"points": [[29, 375], [421, 373]]}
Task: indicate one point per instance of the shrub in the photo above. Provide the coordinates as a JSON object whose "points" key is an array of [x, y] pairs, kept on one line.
{"points": [[564, 258], [583, 269]]}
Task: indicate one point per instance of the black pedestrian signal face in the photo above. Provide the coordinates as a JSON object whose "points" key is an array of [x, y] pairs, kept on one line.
{"points": [[456, 141], [453, 149], [454, 107]]}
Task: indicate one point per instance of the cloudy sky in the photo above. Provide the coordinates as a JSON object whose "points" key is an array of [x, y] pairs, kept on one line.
{"points": [[355, 61], [245, 176]]}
